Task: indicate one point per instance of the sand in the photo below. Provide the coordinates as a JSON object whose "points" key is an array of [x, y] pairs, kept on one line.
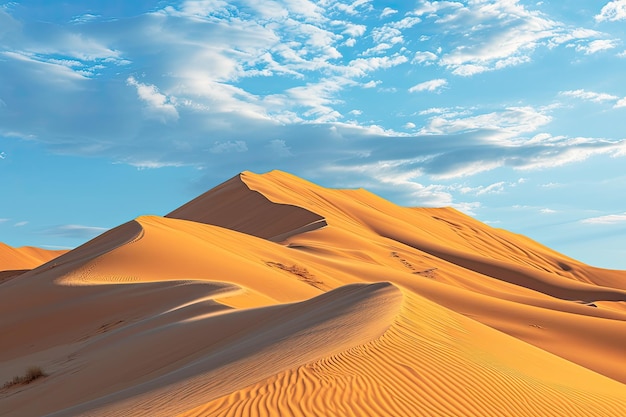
{"points": [[270, 295], [25, 257], [16, 261]]}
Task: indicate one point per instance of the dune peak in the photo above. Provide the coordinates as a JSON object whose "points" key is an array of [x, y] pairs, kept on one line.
{"points": [[271, 295], [233, 205]]}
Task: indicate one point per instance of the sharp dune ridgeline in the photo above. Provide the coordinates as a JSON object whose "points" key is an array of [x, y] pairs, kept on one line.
{"points": [[272, 296]]}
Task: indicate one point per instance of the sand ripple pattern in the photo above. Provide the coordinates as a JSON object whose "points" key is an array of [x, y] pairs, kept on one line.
{"points": [[419, 368]]}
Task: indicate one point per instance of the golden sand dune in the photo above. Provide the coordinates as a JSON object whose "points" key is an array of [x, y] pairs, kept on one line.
{"points": [[15, 261], [269, 295], [234, 206]]}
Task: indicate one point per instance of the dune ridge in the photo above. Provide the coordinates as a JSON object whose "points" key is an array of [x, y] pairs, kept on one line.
{"points": [[234, 206], [16, 261], [420, 367], [270, 295]]}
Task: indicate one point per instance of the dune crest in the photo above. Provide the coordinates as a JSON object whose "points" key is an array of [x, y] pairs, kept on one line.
{"points": [[270, 295], [16, 261], [234, 206], [420, 367]]}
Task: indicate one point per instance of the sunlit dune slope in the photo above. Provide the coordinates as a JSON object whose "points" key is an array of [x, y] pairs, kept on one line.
{"points": [[515, 284], [431, 362], [16, 261], [270, 295], [26, 257]]}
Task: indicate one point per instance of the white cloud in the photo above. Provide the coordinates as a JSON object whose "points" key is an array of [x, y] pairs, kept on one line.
{"points": [[379, 49], [20, 224], [406, 23], [620, 103], [547, 211], [36, 65], [356, 7], [597, 46], [589, 95], [362, 66], [424, 57], [468, 70], [3, 155], [387, 34], [318, 98], [504, 125], [552, 185], [595, 97], [609, 219], [158, 105], [142, 164], [432, 85], [354, 30], [371, 84], [495, 188], [84, 18], [388, 11], [487, 36], [252, 84], [612, 11], [433, 110]]}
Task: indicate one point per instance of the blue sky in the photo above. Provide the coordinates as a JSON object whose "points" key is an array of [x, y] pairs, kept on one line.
{"points": [[511, 111]]}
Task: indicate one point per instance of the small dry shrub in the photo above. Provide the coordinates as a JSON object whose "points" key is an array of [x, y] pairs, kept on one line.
{"points": [[32, 373]]}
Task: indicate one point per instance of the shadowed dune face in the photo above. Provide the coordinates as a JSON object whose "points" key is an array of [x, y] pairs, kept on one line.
{"points": [[234, 206], [271, 296]]}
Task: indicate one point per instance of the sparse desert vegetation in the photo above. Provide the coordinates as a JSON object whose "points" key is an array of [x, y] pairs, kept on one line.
{"points": [[32, 373]]}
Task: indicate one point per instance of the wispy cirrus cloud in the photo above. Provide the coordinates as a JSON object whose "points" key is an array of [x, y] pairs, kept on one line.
{"points": [[241, 84], [595, 97], [609, 219], [589, 95], [495, 35], [597, 46], [158, 105], [75, 231], [505, 124], [431, 85]]}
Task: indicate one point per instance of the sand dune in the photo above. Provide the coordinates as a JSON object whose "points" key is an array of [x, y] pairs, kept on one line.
{"points": [[431, 362], [234, 206], [269, 295], [16, 261]]}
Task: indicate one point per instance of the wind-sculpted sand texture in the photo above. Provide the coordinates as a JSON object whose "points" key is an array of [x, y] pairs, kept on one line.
{"points": [[269, 295], [431, 362]]}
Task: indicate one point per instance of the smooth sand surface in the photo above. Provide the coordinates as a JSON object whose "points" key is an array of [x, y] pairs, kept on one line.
{"points": [[15, 261], [270, 295]]}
